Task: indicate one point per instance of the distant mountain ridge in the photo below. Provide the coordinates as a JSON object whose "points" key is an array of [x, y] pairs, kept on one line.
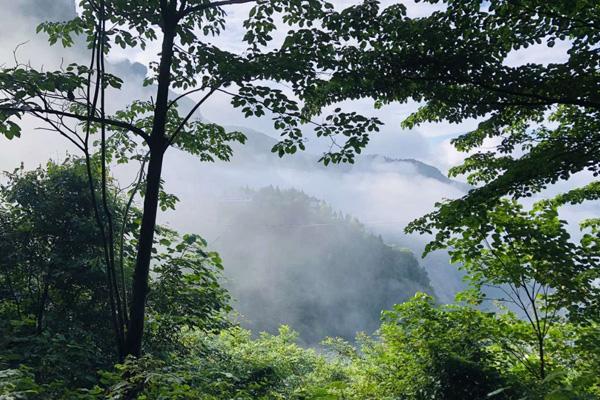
{"points": [[426, 170], [258, 147]]}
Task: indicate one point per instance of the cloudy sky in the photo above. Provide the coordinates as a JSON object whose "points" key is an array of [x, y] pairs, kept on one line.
{"points": [[429, 143]]}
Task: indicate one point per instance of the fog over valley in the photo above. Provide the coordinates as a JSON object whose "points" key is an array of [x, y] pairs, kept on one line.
{"points": [[264, 258], [265, 214], [299, 199]]}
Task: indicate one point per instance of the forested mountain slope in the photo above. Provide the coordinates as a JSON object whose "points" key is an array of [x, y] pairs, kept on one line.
{"points": [[292, 259], [383, 194]]}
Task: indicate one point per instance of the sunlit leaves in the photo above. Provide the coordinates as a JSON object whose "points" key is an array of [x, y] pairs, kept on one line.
{"points": [[186, 289], [509, 245]]}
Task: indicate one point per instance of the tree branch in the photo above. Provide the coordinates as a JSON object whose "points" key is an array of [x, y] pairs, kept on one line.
{"points": [[115, 123], [189, 115], [214, 4]]}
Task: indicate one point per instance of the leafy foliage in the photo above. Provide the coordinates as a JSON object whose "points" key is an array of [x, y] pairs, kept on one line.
{"points": [[55, 306], [544, 118], [423, 351]]}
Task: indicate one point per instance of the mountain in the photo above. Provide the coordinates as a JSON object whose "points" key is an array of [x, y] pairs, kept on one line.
{"points": [[291, 259], [258, 149], [424, 170]]}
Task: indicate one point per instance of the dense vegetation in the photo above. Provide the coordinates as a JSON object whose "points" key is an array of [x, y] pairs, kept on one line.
{"points": [[55, 306], [98, 301], [57, 339]]}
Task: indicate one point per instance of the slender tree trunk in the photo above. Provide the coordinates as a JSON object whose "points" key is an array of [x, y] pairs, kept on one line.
{"points": [[133, 344], [542, 356], [158, 144], [42, 308]]}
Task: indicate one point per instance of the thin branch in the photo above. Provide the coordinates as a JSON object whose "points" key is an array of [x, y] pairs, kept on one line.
{"points": [[189, 115], [522, 358], [104, 178], [176, 99], [214, 4], [56, 128], [107, 121]]}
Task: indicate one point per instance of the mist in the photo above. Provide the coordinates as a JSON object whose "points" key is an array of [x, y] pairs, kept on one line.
{"points": [[388, 187]]}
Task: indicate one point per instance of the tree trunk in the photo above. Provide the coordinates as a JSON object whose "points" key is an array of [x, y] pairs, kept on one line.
{"points": [[542, 358], [158, 144], [42, 308], [135, 330]]}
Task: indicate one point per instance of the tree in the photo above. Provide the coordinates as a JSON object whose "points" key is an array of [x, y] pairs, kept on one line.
{"points": [[427, 351], [455, 61], [54, 301], [529, 259], [54, 304], [189, 63], [542, 120]]}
